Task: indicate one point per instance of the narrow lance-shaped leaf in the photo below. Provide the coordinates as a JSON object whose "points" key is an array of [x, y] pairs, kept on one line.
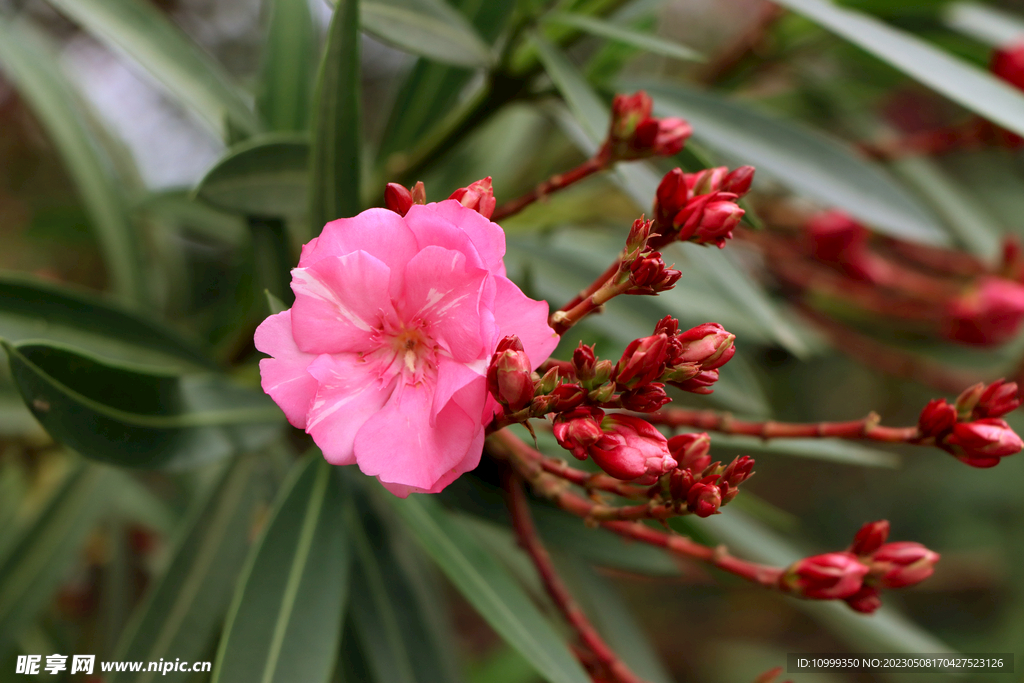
{"points": [[180, 615], [141, 31], [489, 588], [961, 82], [134, 416], [987, 24], [288, 69], [402, 639], [31, 65], [429, 28], [625, 35], [335, 162], [285, 622], [44, 552]]}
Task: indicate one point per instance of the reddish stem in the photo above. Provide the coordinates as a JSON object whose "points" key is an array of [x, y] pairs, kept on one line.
{"points": [[552, 184], [568, 316], [608, 662], [709, 420], [527, 463]]}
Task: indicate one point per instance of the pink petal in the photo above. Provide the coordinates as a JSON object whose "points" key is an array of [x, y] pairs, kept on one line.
{"points": [[349, 394], [340, 302], [468, 463], [399, 445], [445, 294], [442, 222], [467, 382], [284, 376], [515, 313], [381, 233]]}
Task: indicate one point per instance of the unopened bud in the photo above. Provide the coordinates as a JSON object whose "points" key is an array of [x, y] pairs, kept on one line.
{"points": [[649, 275], [700, 383], [831, 576], [704, 498], [967, 399], [568, 396], [636, 241], [578, 430], [998, 399], [547, 383], [708, 344], [739, 470], [603, 393], [739, 180], [983, 442], [646, 398], [583, 361], [866, 600], [632, 449], [397, 199], [691, 451], [990, 313], [896, 565], [479, 196], [870, 537], [641, 362], [937, 418], [635, 134], [509, 376]]}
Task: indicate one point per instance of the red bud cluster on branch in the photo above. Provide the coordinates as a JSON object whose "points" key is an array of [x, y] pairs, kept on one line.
{"points": [[635, 134], [971, 429], [699, 207]]}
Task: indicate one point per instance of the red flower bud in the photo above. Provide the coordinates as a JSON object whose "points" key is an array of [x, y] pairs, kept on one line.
{"points": [[578, 430], [967, 399], [679, 484], [937, 418], [649, 275], [983, 442], [642, 361], [479, 196], [646, 398], [670, 198], [841, 242], [700, 383], [704, 498], [739, 180], [998, 399], [567, 397], [738, 471], [708, 219], [632, 449], [708, 344], [832, 576], [865, 601], [870, 537], [634, 134], [397, 199], [509, 375], [896, 565], [691, 451], [639, 233], [583, 360], [991, 313]]}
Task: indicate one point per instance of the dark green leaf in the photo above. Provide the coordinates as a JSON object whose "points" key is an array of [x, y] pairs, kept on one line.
{"points": [[583, 102], [285, 622], [625, 35], [289, 67], [963, 83], [181, 613], [806, 160], [337, 137], [267, 175], [489, 588], [33, 309], [134, 416], [140, 30], [399, 636], [428, 28], [31, 65], [38, 562]]}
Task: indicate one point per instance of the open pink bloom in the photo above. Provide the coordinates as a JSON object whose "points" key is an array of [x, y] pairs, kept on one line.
{"points": [[383, 357]]}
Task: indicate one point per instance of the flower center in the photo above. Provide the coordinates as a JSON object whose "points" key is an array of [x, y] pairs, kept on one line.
{"points": [[412, 347]]}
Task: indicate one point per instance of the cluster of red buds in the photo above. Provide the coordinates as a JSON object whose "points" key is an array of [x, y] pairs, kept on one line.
{"points": [[697, 484], [858, 574], [971, 429], [645, 269], [635, 134], [578, 393], [478, 196], [700, 207]]}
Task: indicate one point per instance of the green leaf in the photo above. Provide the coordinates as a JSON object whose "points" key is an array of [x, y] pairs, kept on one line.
{"points": [[144, 33], [489, 588], [625, 35], [398, 634], [986, 24], [33, 309], [179, 210], [40, 559], [288, 69], [961, 82], [180, 615], [830, 450], [583, 102], [267, 175], [285, 621], [429, 28], [337, 137], [137, 416], [806, 160], [30, 63]]}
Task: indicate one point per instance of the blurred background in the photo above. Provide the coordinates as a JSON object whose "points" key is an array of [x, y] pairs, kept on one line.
{"points": [[772, 65]]}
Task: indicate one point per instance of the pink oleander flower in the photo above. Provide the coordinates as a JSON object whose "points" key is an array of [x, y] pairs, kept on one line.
{"points": [[383, 357]]}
